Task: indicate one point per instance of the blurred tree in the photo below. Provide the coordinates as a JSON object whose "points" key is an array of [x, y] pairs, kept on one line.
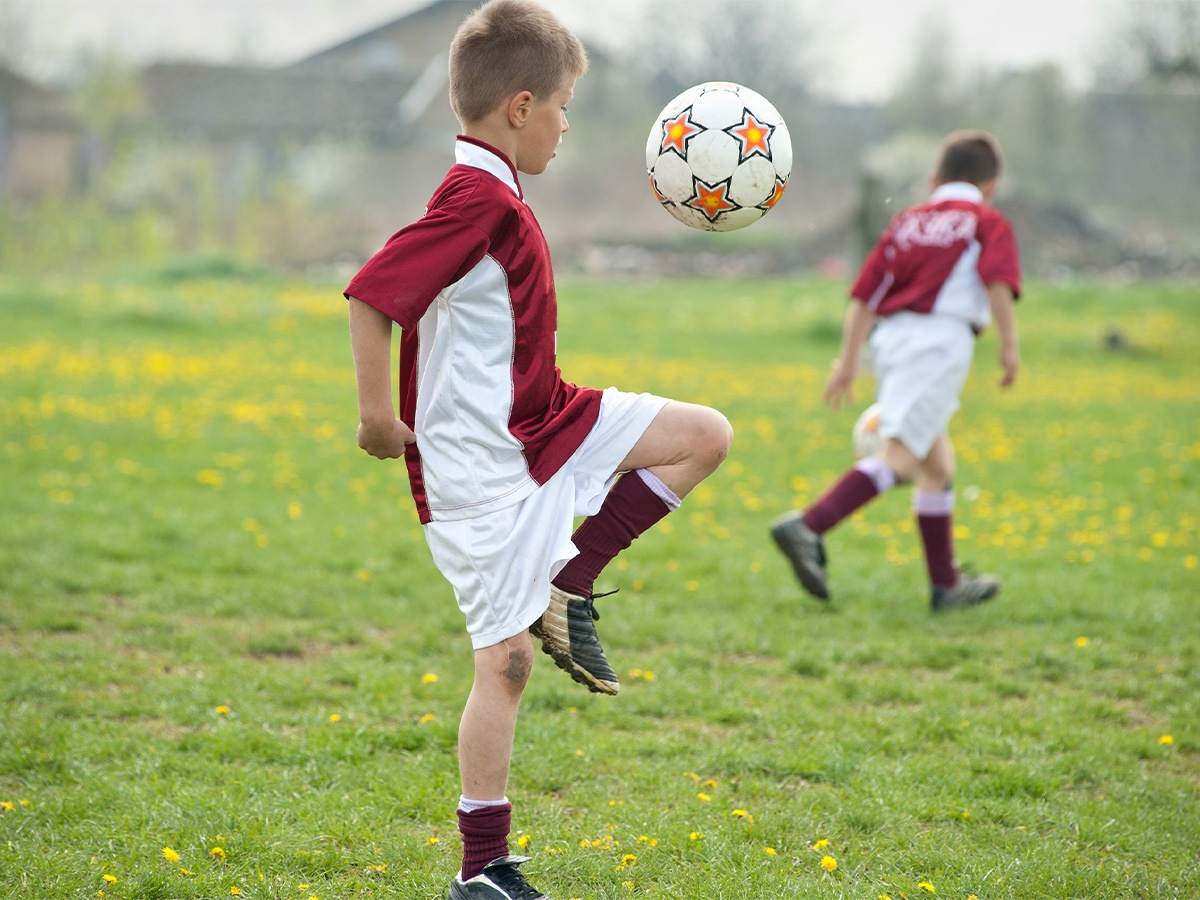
{"points": [[926, 98], [1153, 46], [769, 47], [16, 32]]}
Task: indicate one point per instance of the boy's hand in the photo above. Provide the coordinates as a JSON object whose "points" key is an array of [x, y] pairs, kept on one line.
{"points": [[840, 386], [1010, 362], [385, 439]]}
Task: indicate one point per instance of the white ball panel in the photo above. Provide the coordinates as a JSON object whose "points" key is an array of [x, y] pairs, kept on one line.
{"points": [[717, 109], [781, 150], [753, 182], [673, 177], [739, 218], [713, 155]]}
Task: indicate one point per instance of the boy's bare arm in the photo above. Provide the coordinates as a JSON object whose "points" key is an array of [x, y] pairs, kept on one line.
{"points": [[1000, 297], [380, 433], [857, 326]]}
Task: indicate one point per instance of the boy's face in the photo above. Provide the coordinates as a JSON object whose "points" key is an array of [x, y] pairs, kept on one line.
{"points": [[543, 130]]}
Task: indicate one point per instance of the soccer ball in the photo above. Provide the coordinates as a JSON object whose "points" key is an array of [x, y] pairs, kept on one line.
{"points": [[865, 436], [719, 156]]}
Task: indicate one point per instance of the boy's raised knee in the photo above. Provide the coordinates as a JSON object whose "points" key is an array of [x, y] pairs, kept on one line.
{"points": [[716, 436]]}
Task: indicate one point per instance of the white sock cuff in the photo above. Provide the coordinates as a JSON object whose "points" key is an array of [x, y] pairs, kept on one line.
{"points": [[939, 503], [664, 493], [470, 806], [875, 469]]}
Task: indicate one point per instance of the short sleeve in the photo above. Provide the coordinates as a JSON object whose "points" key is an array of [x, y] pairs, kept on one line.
{"points": [[999, 259], [872, 275], [418, 263]]}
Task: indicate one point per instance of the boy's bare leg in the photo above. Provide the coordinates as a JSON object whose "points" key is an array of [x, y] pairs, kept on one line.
{"points": [[485, 734], [683, 445], [485, 741]]}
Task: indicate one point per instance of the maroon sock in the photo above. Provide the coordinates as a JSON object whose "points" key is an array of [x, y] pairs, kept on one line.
{"points": [[937, 534], [854, 489], [630, 508], [484, 836]]}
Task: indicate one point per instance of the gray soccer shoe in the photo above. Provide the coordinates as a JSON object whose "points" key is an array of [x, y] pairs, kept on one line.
{"points": [[569, 637], [500, 880], [971, 590], [805, 549]]}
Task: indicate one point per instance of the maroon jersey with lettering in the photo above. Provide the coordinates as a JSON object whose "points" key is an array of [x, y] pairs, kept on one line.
{"points": [[940, 257]]}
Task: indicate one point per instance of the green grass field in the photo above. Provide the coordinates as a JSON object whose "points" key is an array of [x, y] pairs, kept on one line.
{"points": [[229, 668]]}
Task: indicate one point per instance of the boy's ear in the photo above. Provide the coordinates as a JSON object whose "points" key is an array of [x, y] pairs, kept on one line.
{"points": [[519, 108], [988, 188]]}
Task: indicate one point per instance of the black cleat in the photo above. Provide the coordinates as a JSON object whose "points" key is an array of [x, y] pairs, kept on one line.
{"points": [[500, 880], [971, 590], [569, 637], [805, 549]]}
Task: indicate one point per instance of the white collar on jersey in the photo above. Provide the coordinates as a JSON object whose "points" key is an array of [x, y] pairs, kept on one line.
{"points": [[957, 190], [471, 152]]}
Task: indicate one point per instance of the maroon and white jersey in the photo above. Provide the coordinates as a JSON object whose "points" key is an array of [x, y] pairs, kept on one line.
{"points": [[471, 286], [940, 257]]}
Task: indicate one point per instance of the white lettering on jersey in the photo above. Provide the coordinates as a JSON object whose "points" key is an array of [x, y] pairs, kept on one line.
{"points": [[934, 228]]}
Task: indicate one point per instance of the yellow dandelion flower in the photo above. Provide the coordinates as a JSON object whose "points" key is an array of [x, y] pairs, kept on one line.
{"points": [[1081, 642], [926, 886], [429, 678], [695, 836], [185, 872], [217, 853], [740, 813], [711, 783], [828, 863], [235, 891], [703, 796], [7, 806], [821, 844], [885, 897], [27, 803], [222, 710], [523, 841], [693, 776], [335, 718], [1166, 740], [111, 879], [426, 719], [381, 868], [770, 851], [433, 840], [170, 855]]}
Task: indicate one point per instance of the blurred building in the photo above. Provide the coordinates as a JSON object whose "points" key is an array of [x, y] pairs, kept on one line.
{"points": [[41, 140]]}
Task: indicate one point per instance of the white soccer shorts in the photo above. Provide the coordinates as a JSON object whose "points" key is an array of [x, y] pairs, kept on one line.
{"points": [[500, 563]]}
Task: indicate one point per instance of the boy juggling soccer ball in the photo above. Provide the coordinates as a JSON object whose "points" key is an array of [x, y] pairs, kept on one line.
{"points": [[502, 453], [937, 276]]}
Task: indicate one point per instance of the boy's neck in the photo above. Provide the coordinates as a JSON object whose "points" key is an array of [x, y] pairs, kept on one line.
{"points": [[496, 135]]}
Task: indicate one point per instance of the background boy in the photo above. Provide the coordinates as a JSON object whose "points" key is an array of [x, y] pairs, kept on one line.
{"points": [[502, 453], [936, 277]]}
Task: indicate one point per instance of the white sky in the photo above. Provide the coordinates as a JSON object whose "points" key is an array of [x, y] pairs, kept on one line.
{"points": [[865, 43]]}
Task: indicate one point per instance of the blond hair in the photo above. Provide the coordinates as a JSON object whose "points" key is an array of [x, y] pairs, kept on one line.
{"points": [[508, 46], [971, 156]]}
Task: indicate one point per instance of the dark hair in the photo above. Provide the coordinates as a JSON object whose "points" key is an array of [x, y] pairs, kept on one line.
{"points": [[507, 46], [971, 156]]}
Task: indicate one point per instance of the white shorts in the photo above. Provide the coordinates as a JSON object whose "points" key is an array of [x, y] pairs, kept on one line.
{"points": [[500, 563], [921, 362]]}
